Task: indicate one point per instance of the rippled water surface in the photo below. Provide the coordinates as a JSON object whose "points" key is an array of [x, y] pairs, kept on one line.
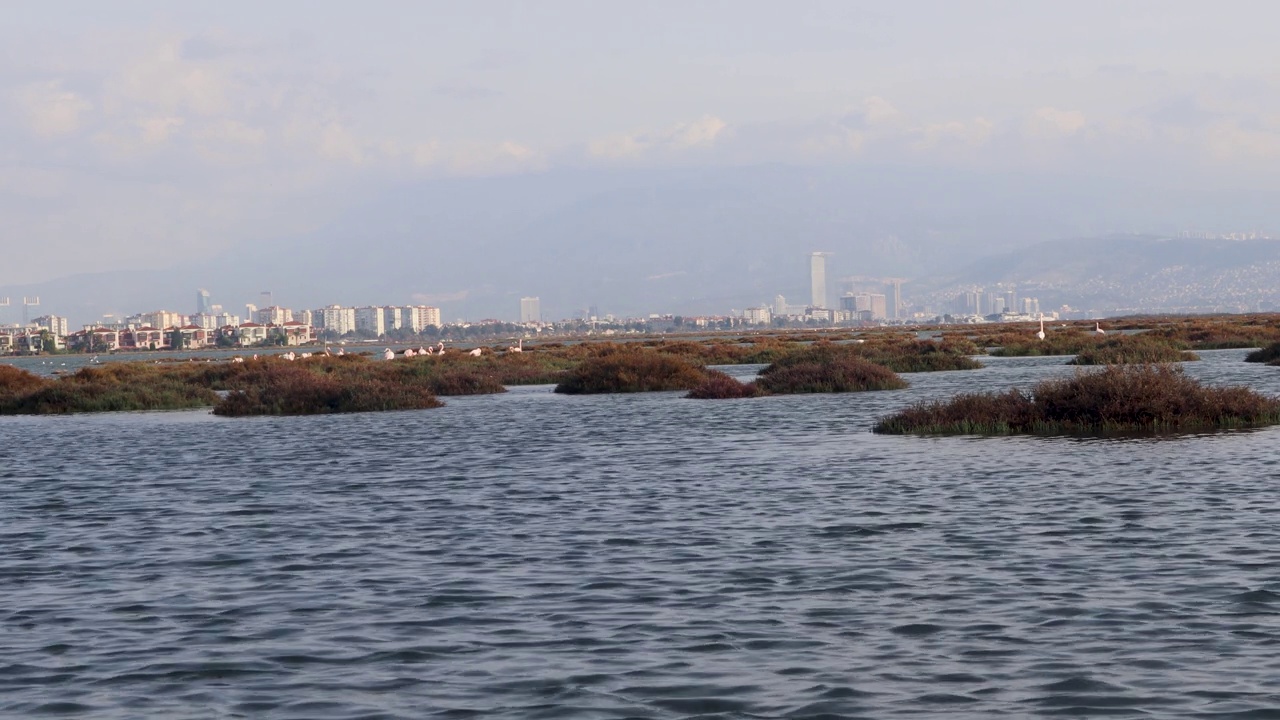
{"points": [[539, 556]]}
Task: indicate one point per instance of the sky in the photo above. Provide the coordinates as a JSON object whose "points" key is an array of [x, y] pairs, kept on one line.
{"points": [[146, 134]]}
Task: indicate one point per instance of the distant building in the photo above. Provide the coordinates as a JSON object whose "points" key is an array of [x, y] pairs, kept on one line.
{"points": [[818, 279], [419, 317], [865, 306], [758, 315], [163, 319], [336, 319], [273, 315], [371, 320], [391, 317], [779, 306], [265, 299], [204, 303], [895, 299], [530, 310], [55, 324]]}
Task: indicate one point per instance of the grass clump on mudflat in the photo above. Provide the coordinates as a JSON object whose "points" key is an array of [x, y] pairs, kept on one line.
{"points": [[282, 388], [826, 369], [628, 370], [1269, 354], [721, 386], [115, 387], [1118, 398], [1057, 342], [921, 355], [1132, 350]]}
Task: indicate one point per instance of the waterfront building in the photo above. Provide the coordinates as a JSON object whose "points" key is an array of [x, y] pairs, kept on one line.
{"points": [[530, 310], [336, 319], [162, 319], [417, 318], [273, 315], [758, 315], [251, 333], [371, 320], [56, 325], [391, 317]]}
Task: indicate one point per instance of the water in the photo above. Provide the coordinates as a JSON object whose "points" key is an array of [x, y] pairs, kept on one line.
{"points": [[539, 556]]}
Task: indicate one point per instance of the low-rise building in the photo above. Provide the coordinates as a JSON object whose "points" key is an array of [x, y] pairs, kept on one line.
{"points": [[251, 333]]}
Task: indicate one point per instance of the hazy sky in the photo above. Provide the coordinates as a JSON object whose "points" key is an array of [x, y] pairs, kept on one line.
{"points": [[139, 134]]}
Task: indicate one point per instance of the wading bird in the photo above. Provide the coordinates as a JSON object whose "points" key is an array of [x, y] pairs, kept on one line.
{"points": [[1040, 334]]}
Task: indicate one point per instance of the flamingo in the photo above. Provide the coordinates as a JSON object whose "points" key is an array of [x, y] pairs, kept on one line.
{"points": [[1041, 333], [475, 353], [518, 347], [304, 356], [408, 352], [441, 348], [342, 351], [1097, 328], [326, 351], [388, 354], [422, 350]]}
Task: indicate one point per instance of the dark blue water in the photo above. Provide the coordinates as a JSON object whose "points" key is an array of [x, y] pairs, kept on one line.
{"points": [[539, 556]]}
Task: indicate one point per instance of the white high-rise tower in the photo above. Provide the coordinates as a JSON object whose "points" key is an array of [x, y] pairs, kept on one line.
{"points": [[818, 279]]}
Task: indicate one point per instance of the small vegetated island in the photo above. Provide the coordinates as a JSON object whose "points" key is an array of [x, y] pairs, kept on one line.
{"points": [[1269, 355], [832, 368], [1117, 398], [265, 386], [1132, 350]]}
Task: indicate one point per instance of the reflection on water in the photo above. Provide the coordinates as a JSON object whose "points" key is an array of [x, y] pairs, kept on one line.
{"points": [[533, 555]]}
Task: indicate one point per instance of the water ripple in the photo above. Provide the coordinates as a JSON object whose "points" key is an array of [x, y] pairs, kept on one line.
{"points": [[540, 556]]}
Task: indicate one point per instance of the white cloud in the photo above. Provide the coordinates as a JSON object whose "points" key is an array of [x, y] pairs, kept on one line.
{"points": [[157, 130], [878, 111], [1049, 122], [49, 109], [951, 133], [338, 143], [700, 133], [494, 159]]}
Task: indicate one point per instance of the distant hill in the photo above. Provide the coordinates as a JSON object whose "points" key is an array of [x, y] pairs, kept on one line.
{"points": [[1130, 273]]}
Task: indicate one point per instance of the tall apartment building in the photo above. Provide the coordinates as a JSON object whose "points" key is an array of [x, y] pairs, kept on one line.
{"points": [[758, 315], [204, 303], [419, 317], [371, 320], [55, 324], [273, 315], [391, 317], [530, 310], [335, 318], [163, 319], [871, 306]]}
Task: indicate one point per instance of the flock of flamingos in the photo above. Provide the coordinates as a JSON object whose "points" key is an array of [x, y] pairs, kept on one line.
{"points": [[388, 353]]}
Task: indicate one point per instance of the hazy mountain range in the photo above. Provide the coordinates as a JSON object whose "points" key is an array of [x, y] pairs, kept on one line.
{"points": [[707, 240]]}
